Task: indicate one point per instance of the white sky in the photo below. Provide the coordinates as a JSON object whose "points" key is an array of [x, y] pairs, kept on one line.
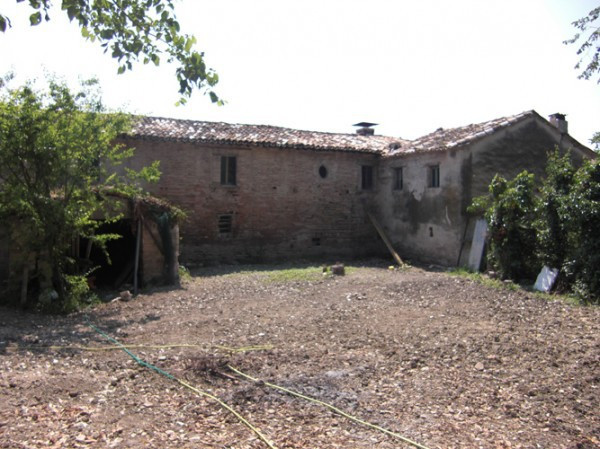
{"points": [[411, 66]]}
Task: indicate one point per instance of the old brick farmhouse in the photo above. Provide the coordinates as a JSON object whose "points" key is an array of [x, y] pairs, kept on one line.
{"points": [[257, 193]]}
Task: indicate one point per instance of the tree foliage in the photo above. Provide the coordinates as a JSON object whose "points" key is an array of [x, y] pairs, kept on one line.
{"points": [[58, 162], [510, 212], [553, 239], [556, 225], [582, 222], [589, 46], [587, 37], [134, 31]]}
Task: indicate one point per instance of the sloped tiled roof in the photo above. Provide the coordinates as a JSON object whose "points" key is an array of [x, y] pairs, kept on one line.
{"points": [[445, 139], [158, 128]]}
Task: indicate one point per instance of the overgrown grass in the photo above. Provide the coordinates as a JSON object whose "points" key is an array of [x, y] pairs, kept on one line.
{"points": [[302, 274], [293, 274], [509, 285], [184, 274], [485, 280]]}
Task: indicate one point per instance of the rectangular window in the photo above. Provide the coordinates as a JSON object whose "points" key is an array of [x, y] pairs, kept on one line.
{"points": [[434, 176], [225, 224], [367, 177], [228, 170], [398, 180]]}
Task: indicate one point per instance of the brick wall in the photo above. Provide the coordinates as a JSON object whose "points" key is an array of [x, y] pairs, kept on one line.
{"points": [[280, 207], [154, 266], [153, 261]]}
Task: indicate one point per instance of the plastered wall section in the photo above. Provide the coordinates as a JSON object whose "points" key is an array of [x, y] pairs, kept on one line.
{"points": [[280, 208], [431, 224], [421, 220]]}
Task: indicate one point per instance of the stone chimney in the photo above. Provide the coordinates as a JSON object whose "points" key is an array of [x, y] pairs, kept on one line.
{"points": [[559, 121], [365, 128]]}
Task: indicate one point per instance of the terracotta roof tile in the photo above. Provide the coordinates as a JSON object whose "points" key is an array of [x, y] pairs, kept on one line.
{"points": [[158, 128], [444, 139]]}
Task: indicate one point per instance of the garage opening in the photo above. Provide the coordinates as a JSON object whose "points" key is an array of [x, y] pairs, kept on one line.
{"points": [[121, 252]]}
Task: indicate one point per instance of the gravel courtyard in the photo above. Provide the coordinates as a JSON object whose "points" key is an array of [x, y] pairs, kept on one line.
{"points": [[443, 360]]}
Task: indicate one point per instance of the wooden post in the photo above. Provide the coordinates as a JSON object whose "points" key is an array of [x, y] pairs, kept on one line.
{"points": [[24, 283], [385, 240], [88, 249], [136, 266]]}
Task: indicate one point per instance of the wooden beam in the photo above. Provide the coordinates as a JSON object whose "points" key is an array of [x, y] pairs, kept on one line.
{"points": [[385, 239], [138, 242], [24, 283]]}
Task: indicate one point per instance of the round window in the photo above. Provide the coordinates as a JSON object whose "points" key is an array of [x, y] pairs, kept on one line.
{"points": [[323, 171]]}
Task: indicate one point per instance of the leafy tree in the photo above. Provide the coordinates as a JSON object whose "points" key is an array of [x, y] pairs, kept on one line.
{"points": [[589, 50], [553, 235], [558, 226], [58, 161], [133, 31], [582, 220], [510, 212], [587, 37]]}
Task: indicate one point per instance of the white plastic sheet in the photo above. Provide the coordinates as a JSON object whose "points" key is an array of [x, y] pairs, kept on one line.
{"points": [[545, 279]]}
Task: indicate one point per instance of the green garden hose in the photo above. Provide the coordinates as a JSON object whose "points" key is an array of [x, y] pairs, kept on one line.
{"points": [[330, 407], [183, 383], [199, 392]]}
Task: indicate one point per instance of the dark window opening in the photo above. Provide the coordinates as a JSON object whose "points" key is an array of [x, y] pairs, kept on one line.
{"points": [[367, 177], [398, 179], [225, 224], [316, 241], [228, 170], [323, 171], [121, 253], [434, 176]]}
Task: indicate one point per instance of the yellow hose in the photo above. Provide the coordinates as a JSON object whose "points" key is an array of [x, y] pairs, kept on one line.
{"points": [[223, 404], [330, 407], [263, 438], [164, 373]]}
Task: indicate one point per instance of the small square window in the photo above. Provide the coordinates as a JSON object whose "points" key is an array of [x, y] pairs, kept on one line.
{"points": [[225, 224], [228, 170], [434, 176], [398, 178], [367, 177]]}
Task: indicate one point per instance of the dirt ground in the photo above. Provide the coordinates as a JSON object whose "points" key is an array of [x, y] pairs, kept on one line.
{"points": [[442, 360]]}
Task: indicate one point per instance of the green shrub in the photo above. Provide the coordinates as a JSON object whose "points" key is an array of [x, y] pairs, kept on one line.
{"points": [[558, 227], [184, 274], [510, 212], [582, 221], [553, 234]]}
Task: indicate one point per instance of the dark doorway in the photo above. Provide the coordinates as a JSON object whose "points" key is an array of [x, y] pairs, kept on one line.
{"points": [[121, 253]]}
